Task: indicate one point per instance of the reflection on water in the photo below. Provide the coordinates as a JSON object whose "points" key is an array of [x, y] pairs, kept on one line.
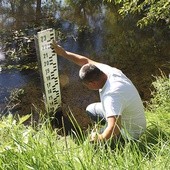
{"points": [[2, 56], [9, 81]]}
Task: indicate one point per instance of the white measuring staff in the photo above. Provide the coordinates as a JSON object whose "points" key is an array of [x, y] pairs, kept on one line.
{"points": [[49, 69]]}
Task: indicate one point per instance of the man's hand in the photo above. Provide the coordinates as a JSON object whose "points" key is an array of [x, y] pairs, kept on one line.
{"points": [[58, 49], [93, 136]]}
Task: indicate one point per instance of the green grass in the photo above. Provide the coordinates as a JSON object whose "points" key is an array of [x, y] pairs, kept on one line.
{"points": [[27, 148]]}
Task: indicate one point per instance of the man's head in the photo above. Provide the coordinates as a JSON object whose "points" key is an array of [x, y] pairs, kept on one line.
{"points": [[92, 77]]}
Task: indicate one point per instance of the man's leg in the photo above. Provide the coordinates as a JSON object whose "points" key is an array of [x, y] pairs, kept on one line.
{"points": [[96, 112]]}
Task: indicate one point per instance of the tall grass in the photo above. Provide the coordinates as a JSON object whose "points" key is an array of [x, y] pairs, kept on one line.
{"points": [[161, 94], [28, 148]]}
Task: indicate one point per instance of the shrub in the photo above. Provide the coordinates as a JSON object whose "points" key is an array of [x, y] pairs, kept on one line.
{"points": [[161, 95]]}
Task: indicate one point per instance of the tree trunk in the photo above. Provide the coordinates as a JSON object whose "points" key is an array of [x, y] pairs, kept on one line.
{"points": [[38, 12], [20, 14]]}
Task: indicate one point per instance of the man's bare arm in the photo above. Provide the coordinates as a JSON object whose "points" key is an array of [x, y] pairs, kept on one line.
{"points": [[112, 129], [76, 58]]}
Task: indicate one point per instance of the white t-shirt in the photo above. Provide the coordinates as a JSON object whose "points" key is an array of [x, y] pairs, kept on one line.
{"points": [[120, 97]]}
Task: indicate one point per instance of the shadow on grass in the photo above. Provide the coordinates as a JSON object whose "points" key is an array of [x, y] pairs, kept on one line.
{"points": [[68, 125]]}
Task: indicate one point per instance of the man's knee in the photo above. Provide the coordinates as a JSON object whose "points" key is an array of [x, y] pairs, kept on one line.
{"points": [[95, 112], [91, 108]]}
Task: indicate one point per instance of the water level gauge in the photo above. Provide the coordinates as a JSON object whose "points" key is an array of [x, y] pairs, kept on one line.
{"points": [[49, 69]]}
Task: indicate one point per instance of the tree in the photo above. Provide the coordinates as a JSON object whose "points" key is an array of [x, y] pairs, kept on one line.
{"points": [[38, 12], [151, 11], [84, 9], [16, 13]]}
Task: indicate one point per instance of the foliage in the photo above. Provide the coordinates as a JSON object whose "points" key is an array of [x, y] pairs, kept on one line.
{"points": [[19, 50], [161, 95], [85, 6], [16, 12], [13, 102], [18, 45], [21, 13], [125, 46], [151, 11]]}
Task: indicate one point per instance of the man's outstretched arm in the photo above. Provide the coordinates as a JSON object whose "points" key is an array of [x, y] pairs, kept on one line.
{"points": [[76, 58]]}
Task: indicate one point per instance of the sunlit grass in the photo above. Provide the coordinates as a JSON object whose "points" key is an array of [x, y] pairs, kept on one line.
{"points": [[41, 148], [23, 147]]}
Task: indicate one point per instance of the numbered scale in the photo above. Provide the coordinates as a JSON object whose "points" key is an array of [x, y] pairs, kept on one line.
{"points": [[49, 69]]}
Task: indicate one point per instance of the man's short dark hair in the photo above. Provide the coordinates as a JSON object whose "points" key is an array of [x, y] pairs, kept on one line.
{"points": [[89, 73]]}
